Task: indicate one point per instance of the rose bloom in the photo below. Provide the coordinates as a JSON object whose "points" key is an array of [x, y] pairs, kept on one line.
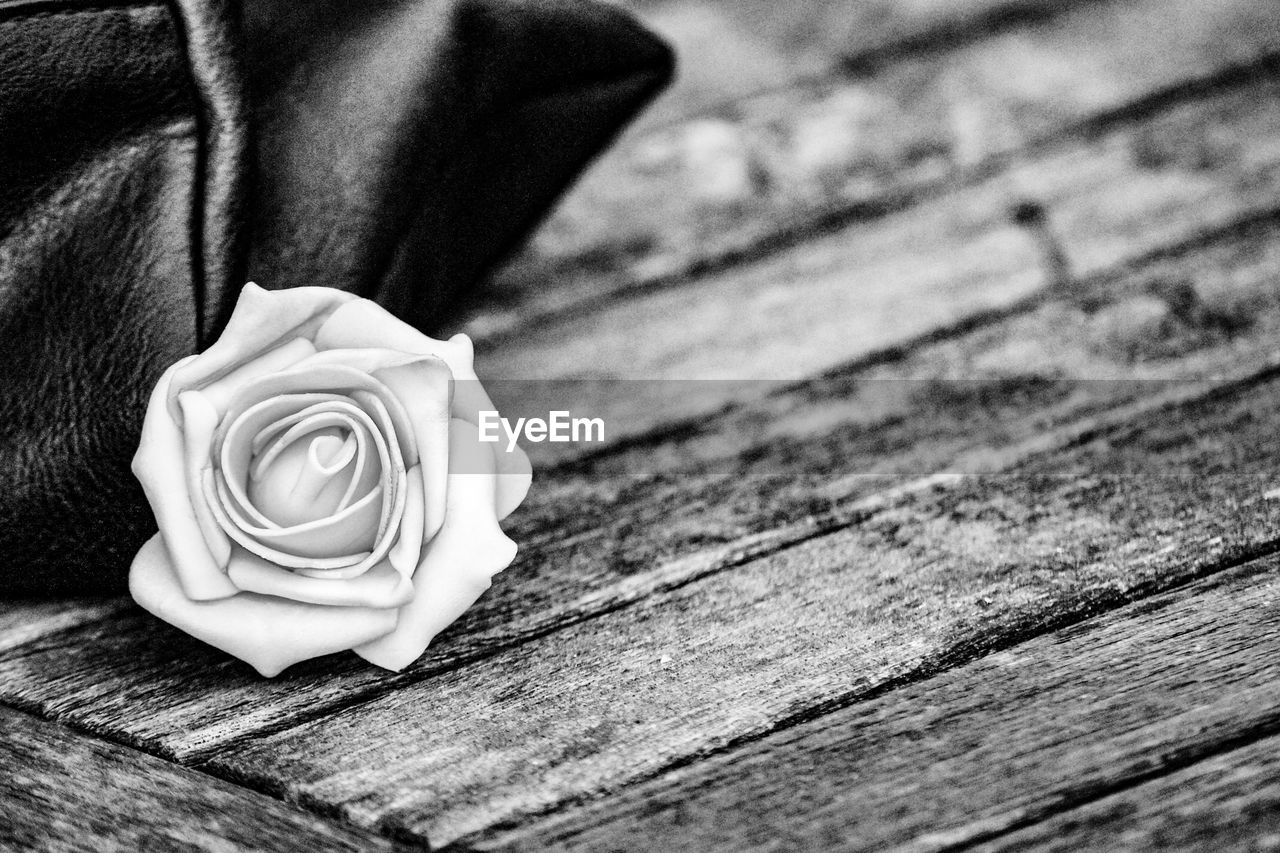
{"points": [[319, 485]]}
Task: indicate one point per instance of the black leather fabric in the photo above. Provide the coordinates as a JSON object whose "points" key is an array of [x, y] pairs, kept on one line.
{"points": [[152, 157]]}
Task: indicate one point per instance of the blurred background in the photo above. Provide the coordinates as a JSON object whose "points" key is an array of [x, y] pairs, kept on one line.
{"points": [[828, 185], [882, 144]]}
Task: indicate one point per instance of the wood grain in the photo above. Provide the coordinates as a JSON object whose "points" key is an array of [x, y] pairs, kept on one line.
{"points": [[1226, 802], [1168, 314], [932, 581], [606, 535], [744, 180], [64, 792], [1059, 720], [869, 286]]}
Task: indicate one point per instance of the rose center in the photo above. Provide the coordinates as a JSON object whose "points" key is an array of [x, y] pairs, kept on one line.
{"points": [[307, 479]]}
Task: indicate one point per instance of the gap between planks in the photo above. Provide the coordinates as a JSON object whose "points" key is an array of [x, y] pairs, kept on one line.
{"points": [[64, 792], [1225, 802], [987, 752]]}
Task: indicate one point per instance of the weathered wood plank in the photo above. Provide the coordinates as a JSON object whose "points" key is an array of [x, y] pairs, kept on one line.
{"points": [[1000, 743], [824, 449], [1163, 316], [607, 534], [62, 791], [1224, 803], [746, 179], [871, 285], [934, 580]]}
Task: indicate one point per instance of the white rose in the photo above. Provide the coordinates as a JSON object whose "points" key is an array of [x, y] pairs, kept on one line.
{"points": [[319, 485]]}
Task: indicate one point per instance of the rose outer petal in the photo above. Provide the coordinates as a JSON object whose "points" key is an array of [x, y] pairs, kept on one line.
{"points": [[281, 358], [458, 564], [199, 422], [260, 322], [382, 586], [407, 550], [266, 632], [377, 362], [159, 467], [424, 388], [361, 323]]}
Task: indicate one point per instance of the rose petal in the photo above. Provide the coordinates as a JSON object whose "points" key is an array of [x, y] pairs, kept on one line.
{"points": [[261, 320], [394, 483], [424, 388], [159, 466], [312, 469], [281, 358], [199, 422], [312, 545], [423, 384], [458, 564], [315, 547], [382, 586], [407, 550], [335, 568], [307, 377], [237, 438], [267, 632], [363, 324]]}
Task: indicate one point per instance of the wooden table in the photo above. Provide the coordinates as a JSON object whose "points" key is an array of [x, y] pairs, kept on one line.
{"points": [[992, 564]]}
